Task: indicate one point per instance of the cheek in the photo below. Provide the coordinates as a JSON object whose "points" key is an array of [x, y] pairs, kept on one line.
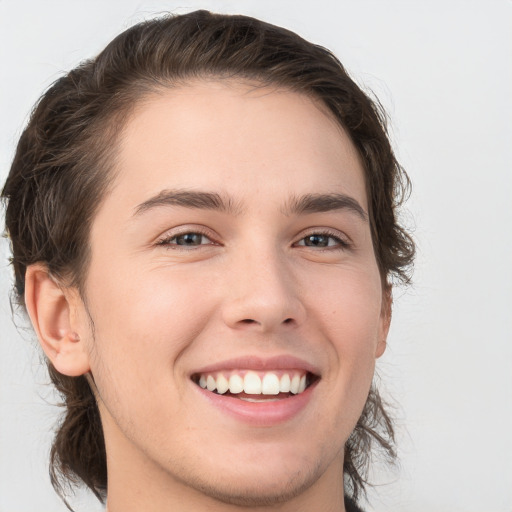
{"points": [[147, 302], [349, 303], [142, 326], [349, 312]]}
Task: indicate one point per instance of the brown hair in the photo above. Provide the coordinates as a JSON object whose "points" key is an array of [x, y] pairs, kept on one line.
{"points": [[62, 169]]}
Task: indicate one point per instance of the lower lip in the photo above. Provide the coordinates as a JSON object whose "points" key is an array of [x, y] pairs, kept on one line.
{"points": [[260, 413]]}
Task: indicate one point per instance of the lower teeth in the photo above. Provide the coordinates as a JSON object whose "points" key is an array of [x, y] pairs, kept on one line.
{"points": [[256, 398], [260, 399]]}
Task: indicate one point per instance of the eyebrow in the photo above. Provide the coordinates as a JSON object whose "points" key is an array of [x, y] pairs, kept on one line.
{"points": [[189, 199], [320, 203], [308, 203]]}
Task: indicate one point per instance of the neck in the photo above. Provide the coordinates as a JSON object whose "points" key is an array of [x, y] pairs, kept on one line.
{"points": [[136, 482], [124, 500], [135, 486]]}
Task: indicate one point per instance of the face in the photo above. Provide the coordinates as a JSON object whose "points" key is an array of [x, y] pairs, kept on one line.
{"points": [[236, 303]]}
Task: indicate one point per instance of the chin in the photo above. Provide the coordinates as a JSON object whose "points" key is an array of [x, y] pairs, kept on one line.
{"points": [[258, 473], [263, 490]]}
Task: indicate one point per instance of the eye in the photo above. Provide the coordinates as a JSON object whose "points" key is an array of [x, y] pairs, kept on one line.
{"points": [[184, 240], [322, 241]]}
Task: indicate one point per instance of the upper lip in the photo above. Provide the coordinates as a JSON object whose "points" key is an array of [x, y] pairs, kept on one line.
{"points": [[250, 362]]}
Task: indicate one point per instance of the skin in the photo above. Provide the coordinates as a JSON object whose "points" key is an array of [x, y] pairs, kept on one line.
{"points": [[155, 312]]}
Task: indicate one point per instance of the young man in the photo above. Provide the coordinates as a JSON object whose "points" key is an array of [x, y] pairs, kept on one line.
{"points": [[203, 231]]}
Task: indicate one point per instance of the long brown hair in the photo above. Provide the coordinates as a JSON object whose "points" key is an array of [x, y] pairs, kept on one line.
{"points": [[63, 167]]}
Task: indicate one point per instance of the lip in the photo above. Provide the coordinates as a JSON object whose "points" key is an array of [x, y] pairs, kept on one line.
{"points": [[259, 414], [280, 362]]}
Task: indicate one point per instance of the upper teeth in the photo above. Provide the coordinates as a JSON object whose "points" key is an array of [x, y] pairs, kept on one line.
{"points": [[252, 383]]}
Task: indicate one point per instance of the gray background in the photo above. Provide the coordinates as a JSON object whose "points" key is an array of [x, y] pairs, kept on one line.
{"points": [[443, 70]]}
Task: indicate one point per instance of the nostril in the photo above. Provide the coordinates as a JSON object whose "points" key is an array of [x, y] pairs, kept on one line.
{"points": [[250, 321]]}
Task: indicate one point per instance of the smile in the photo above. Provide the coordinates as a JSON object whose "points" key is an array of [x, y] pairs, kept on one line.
{"points": [[248, 384], [261, 392]]}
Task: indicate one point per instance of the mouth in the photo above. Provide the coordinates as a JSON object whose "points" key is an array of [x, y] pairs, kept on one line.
{"points": [[260, 392], [256, 386]]}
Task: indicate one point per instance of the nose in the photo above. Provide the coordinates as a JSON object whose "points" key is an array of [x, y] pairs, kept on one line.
{"points": [[263, 294]]}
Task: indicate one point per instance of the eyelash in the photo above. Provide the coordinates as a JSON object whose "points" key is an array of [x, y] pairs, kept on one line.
{"points": [[167, 240], [339, 244]]}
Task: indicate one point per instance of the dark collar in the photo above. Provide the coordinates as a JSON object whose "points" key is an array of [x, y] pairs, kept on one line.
{"points": [[351, 506]]}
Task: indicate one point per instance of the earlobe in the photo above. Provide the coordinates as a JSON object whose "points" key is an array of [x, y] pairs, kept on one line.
{"points": [[385, 321], [50, 311]]}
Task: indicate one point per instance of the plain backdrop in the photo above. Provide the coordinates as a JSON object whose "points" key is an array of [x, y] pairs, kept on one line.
{"points": [[443, 71]]}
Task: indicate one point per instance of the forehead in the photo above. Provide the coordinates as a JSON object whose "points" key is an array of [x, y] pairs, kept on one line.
{"points": [[240, 138]]}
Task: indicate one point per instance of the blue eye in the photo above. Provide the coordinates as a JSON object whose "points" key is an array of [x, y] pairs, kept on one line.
{"points": [[190, 239], [321, 241]]}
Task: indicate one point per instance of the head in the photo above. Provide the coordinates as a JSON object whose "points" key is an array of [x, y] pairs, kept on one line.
{"points": [[71, 162]]}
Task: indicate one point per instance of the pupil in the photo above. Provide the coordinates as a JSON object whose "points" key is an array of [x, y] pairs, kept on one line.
{"points": [[316, 241], [189, 239]]}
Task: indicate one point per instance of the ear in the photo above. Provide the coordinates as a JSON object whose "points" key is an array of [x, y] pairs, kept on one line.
{"points": [[385, 320], [51, 308]]}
